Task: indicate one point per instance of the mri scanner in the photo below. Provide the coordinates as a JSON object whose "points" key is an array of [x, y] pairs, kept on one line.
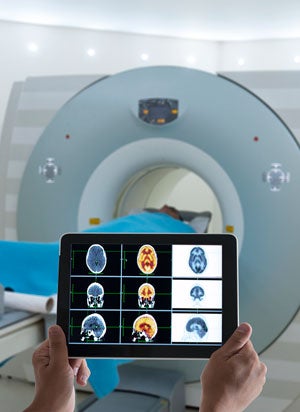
{"points": [[128, 139]]}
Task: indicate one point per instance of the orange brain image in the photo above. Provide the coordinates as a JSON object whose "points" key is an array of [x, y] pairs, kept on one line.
{"points": [[146, 295], [144, 327], [147, 259]]}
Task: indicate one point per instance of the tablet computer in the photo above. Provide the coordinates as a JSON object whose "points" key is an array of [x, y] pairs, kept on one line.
{"points": [[129, 295]]}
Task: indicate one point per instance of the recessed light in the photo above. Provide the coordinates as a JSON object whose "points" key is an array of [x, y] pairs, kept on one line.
{"points": [[91, 52], [297, 59], [144, 57], [191, 59], [33, 47], [241, 61]]}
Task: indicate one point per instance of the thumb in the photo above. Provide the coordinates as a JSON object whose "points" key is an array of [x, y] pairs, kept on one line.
{"points": [[57, 346], [237, 340]]}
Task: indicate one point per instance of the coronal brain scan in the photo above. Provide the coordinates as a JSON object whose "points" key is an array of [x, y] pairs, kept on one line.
{"points": [[197, 260], [93, 327], [96, 258], [144, 328], [95, 295], [147, 259], [197, 326], [197, 293], [146, 295]]}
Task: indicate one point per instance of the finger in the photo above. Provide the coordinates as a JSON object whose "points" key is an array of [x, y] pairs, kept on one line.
{"points": [[75, 365], [41, 354], [83, 374], [57, 346], [237, 340]]}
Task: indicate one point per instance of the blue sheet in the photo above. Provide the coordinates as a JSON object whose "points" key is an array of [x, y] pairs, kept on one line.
{"points": [[29, 267]]}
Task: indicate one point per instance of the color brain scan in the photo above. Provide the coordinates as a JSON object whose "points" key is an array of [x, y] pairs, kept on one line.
{"points": [[146, 295], [147, 259], [144, 328]]}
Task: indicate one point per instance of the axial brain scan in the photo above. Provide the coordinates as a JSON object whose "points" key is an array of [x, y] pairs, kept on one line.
{"points": [[197, 325], [146, 295], [197, 260], [96, 258], [144, 328], [147, 259], [95, 294], [93, 327]]}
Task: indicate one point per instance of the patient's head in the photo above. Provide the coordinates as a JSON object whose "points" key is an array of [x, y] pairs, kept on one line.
{"points": [[171, 211]]}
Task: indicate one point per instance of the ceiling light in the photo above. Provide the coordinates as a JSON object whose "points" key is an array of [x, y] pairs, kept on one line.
{"points": [[144, 57], [191, 59], [91, 52], [297, 59], [241, 61], [33, 47]]}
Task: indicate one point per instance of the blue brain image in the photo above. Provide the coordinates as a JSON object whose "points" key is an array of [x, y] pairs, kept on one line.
{"points": [[93, 328], [96, 258], [197, 325], [197, 260], [95, 293], [197, 293]]}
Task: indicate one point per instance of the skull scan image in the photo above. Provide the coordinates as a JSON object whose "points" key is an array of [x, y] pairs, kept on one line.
{"points": [[96, 258], [147, 259], [95, 295], [196, 328], [93, 327], [144, 328], [197, 260], [146, 295], [197, 294]]}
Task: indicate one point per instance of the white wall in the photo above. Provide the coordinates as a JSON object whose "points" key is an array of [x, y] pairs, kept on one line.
{"points": [[259, 55], [64, 51]]}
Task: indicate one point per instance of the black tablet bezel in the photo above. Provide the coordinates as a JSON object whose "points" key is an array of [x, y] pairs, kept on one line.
{"points": [[149, 350]]}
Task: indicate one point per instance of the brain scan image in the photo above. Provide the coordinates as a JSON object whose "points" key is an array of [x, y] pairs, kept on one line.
{"points": [[197, 294], [93, 327], [147, 259], [96, 258], [144, 328], [197, 260], [146, 296], [197, 327], [95, 295]]}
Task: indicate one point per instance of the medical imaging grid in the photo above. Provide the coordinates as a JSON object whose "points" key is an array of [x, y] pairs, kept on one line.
{"points": [[145, 294]]}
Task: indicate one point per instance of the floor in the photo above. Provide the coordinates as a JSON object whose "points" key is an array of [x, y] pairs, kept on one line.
{"points": [[11, 403]]}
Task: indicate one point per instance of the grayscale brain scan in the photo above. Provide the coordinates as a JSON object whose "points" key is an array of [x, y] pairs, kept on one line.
{"points": [[93, 328], [96, 258], [95, 295]]}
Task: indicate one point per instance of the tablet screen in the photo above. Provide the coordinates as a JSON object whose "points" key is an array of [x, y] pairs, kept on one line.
{"points": [[147, 295]]}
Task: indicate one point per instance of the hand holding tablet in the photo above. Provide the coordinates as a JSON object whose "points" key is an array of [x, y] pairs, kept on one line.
{"points": [[134, 295]]}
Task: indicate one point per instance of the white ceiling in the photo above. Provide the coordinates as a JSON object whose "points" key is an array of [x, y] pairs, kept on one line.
{"points": [[196, 19]]}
